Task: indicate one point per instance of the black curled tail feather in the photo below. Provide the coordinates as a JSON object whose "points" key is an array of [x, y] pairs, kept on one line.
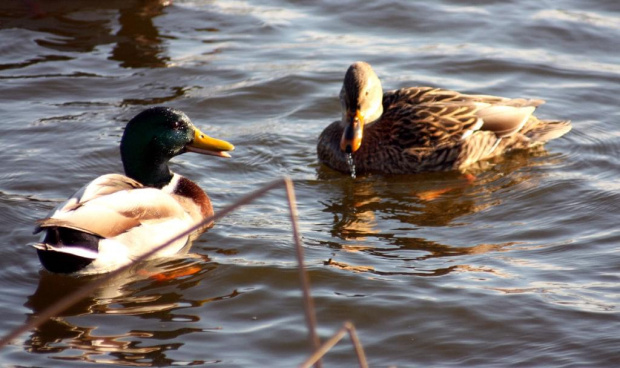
{"points": [[55, 250]]}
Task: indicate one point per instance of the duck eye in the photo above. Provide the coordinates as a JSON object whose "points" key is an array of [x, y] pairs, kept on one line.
{"points": [[177, 125]]}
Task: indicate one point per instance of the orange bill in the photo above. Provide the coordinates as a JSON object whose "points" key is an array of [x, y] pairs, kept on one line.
{"points": [[352, 136]]}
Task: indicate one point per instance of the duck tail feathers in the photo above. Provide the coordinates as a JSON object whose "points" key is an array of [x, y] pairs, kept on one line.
{"points": [[59, 258], [548, 130]]}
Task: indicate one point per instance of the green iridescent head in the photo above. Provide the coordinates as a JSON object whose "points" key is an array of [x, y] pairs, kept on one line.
{"points": [[156, 135]]}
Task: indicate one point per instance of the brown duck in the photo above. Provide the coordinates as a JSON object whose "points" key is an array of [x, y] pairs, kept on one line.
{"points": [[418, 129]]}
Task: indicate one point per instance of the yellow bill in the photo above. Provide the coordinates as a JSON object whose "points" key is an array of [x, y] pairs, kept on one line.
{"points": [[206, 145]]}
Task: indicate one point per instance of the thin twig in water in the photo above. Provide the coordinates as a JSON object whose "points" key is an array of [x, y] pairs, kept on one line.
{"points": [[303, 275], [319, 350]]}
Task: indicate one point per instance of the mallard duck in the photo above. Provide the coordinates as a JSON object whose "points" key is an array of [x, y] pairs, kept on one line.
{"points": [[418, 129], [116, 218]]}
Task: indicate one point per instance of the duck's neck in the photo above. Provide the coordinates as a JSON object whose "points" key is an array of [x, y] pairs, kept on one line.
{"points": [[149, 168], [156, 176]]}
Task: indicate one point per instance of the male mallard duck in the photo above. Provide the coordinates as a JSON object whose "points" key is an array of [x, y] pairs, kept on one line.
{"points": [[116, 218], [417, 129]]}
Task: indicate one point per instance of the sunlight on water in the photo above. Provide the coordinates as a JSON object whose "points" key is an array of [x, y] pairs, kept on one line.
{"points": [[465, 268]]}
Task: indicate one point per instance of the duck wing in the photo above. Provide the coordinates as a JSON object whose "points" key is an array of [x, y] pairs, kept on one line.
{"points": [[425, 116], [112, 205]]}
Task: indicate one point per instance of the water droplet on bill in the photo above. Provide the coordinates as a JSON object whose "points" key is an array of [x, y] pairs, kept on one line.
{"points": [[351, 165]]}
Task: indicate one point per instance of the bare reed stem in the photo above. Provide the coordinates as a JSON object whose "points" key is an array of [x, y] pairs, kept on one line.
{"points": [[303, 275], [319, 350]]}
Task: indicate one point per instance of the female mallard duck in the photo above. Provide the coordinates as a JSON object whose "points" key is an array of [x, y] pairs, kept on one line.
{"points": [[116, 218], [417, 129]]}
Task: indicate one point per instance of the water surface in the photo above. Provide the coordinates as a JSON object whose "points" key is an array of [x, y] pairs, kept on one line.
{"points": [[518, 268]]}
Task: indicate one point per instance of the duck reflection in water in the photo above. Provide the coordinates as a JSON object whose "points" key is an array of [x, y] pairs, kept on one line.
{"points": [[376, 215], [147, 292], [84, 25]]}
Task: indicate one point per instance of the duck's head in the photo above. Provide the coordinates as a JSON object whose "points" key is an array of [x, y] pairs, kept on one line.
{"points": [[156, 135], [361, 98]]}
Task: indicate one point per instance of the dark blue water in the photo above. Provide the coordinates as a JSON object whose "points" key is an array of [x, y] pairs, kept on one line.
{"points": [[521, 267]]}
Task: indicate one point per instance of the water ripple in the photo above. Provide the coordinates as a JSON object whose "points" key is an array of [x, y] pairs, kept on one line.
{"points": [[514, 264]]}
